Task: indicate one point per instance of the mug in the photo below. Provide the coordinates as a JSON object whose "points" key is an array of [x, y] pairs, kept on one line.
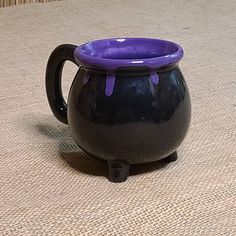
{"points": [[128, 103]]}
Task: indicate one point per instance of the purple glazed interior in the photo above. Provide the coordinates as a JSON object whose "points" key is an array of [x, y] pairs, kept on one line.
{"points": [[110, 54]]}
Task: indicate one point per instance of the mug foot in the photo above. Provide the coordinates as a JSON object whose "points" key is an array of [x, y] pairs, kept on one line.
{"points": [[172, 157], [118, 170]]}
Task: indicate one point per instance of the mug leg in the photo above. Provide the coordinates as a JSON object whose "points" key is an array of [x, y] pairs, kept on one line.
{"points": [[118, 170], [172, 157]]}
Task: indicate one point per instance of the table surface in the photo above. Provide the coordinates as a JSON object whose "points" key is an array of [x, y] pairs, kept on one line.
{"points": [[48, 186]]}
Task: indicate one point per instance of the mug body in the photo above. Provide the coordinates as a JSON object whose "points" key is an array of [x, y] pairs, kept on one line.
{"points": [[129, 102], [140, 121]]}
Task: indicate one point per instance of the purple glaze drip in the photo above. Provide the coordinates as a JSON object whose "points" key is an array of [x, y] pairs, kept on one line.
{"points": [[154, 77], [111, 54], [110, 83]]}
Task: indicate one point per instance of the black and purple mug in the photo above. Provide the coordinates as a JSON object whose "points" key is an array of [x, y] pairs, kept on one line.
{"points": [[128, 103]]}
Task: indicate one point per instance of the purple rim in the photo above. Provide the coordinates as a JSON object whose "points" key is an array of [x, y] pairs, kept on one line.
{"points": [[110, 54]]}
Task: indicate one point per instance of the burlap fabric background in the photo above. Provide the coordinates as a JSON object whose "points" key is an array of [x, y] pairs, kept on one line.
{"points": [[49, 187], [7, 3]]}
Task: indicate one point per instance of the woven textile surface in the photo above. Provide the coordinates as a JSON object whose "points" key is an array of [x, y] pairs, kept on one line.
{"points": [[48, 186], [8, 3]]}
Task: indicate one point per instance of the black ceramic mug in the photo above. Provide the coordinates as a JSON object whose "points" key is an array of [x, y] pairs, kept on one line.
{"points": [[128, 103]]}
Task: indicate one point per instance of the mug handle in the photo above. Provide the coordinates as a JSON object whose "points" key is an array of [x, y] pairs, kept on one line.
{"points": [[54, 69]]}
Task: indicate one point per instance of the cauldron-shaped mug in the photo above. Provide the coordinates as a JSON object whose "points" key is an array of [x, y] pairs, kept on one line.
{"points": [[128, 103]]}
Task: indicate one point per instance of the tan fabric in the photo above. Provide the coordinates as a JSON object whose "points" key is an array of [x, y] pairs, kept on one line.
{"points": [[49, 187], [8, 3]]}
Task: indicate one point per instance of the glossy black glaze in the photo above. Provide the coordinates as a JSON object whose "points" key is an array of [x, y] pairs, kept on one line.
{"points": [[172, 157], [118, 170], [53, 79], [140, 122]]}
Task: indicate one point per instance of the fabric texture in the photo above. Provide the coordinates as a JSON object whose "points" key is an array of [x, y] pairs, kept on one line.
{"points": [[8, 3], [48, 186]]}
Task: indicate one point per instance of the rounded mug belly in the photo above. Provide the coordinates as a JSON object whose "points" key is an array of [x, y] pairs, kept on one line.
{"points": [[140, 122]]}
